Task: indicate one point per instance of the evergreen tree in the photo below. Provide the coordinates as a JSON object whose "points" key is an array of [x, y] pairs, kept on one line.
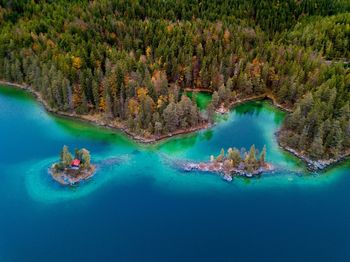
{"points": [[262, 156], [85, 158], [317, 149], [215, 100], [66, 157]]}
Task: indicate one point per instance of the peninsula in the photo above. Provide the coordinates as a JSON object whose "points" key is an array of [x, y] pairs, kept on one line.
{"points": [[69, 171], [234, 163]]}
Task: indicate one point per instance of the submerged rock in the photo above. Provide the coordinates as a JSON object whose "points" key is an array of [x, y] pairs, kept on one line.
{"points": [[227, 178]]}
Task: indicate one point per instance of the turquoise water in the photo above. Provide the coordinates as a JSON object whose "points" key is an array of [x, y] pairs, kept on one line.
{"points": [[146, 210]]}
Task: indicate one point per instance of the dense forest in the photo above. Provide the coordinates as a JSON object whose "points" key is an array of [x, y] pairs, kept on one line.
{"points": [[329, 35], [130, 61]]}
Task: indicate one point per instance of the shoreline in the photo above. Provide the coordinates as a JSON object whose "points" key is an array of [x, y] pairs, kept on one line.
{"points": [[228, 175], [266, 96], [312, 165], [118, 126], [197, 90], [65, 179], [315, 165]]}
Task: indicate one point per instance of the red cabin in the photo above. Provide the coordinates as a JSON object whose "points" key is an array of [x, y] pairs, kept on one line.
{"points": [[75, 163]]}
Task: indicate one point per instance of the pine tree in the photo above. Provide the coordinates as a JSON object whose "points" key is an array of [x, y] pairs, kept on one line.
{"points": [[66, 157], [170, 117], [158, 128], [222, 94], [194, 115], [262, 156], [250, 160], [85, 158], [235, 156], [210, 113], [220, 157], [316, 148], [215, 100]]}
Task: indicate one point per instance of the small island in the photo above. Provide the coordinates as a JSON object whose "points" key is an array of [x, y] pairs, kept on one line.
{"points": [[69, 170], [234, 163]]}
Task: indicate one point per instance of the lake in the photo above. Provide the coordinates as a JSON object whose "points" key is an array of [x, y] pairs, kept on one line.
{"points": [[145, 210]]}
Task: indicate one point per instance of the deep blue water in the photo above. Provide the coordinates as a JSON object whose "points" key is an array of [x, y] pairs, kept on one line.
{"points": [[146, 211]]}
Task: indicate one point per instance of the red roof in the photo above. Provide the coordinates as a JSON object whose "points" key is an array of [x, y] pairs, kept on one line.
{"points": [[75, 162]]}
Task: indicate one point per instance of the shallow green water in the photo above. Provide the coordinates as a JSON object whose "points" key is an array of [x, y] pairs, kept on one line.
{"points": [[128, 210], [202, 98]]}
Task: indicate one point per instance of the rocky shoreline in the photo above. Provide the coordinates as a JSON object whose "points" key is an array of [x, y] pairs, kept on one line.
{"points": [[316, 165], [227, 174], [68, 177]]}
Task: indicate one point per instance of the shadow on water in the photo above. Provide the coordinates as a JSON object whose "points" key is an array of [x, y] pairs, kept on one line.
{"points": [[249, 108], [15, 93], [207, 135], [88, 131], [256, 108]]}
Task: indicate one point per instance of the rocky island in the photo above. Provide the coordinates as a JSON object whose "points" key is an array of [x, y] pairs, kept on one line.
{"points": [[233, 163], [69, 171]]}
